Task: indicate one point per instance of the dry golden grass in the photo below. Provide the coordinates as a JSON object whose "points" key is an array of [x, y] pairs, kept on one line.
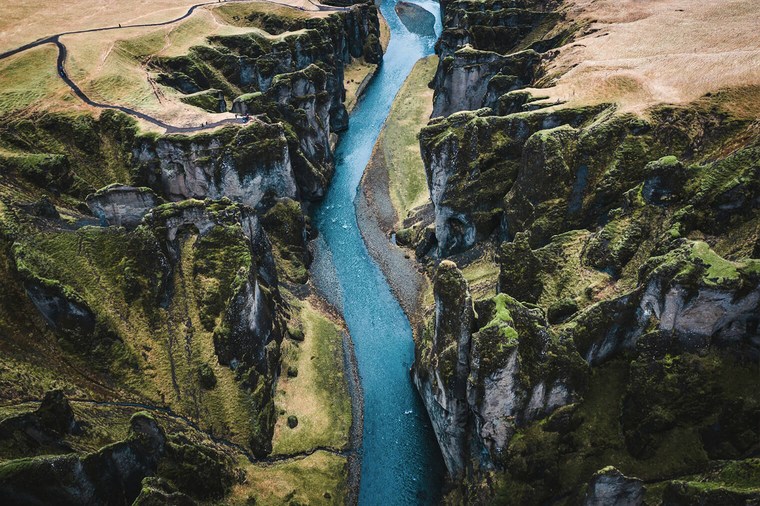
{"points": [[355, 73], [111, 66], [237, 12], [28, 77], [318, 396], [25, 21], [639, 53], [317, 479]]}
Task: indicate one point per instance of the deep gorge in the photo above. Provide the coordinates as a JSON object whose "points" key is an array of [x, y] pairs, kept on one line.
{"points": [[406, 268]]}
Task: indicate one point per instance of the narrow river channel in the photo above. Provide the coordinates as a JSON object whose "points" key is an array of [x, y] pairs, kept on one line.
{"points": [[401, 463]]}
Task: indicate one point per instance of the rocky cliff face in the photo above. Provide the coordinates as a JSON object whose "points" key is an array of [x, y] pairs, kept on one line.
{"points": [[293, 81], [470, 79], [300, 99], [242, 164], [490, 48], [121, 205], [125, 472], [474, 152], [138, 273], [486, 370], [443, 384], [193, 272], [626, 249], [251, 62], [249, 311]]}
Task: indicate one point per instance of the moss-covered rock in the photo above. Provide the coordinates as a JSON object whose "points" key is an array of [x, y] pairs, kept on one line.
{"points": [[67, 153], [518, 270], [111, 475], [483, 379], [210, 100]]}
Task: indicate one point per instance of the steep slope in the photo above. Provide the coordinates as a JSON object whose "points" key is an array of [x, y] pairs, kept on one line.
{"points": [[168, 274], [606, 309]]}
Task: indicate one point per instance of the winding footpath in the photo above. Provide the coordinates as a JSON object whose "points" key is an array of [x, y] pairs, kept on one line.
{"points": [[63, 52]]}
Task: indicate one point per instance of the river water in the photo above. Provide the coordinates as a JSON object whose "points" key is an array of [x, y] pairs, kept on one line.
{"points": [[400, 460]]}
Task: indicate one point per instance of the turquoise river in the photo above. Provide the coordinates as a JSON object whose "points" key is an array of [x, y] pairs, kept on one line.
{"points": [[400, 460]]}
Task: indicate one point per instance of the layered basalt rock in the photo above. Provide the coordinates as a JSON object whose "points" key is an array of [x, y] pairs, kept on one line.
{"points": [[610, 486], [145, 463], [111, 475], [487, 369], [470, 79], [121, 205], [301, 100], [475, 153], [625, 245], [242, 164], [490, 48], [251, 62], [208, 258]]}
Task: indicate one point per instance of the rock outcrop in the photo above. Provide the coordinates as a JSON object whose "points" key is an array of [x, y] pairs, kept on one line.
{"points": [[682, 297], [121, 205], [251, 62], [241, 164], [490, 48], [301, 100], [112, 475], [609, 486], [147, 467], [486, 370], [470, 79], [42, 431], [475, 153], [443, 366], [251, 320]]}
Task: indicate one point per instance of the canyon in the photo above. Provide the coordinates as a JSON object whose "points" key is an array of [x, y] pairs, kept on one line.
{"points": [[475, 252]]}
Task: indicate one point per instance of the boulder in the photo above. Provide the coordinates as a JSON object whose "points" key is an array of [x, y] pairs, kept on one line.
{"points": [[610, 486], [121, 205]]}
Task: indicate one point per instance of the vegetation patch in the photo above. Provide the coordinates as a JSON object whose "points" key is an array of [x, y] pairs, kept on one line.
{"points": [[318, 394]]}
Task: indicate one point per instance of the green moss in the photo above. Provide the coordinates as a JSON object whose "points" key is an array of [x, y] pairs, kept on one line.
{"points": [[286, 228], [208, 100], [70, 153], [695, 264], [519, 269], [184, 463], [502, 319], [220, 255], [719, 269]]}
